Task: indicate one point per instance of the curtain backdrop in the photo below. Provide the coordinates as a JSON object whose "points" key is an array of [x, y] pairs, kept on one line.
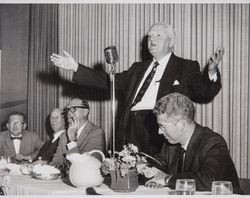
{"points": [[42, 85], [86, 29]]}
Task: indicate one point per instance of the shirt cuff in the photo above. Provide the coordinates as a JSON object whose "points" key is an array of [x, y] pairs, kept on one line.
{"points": [[213, 77], [71, 145], [76, 68], [167, 178]]}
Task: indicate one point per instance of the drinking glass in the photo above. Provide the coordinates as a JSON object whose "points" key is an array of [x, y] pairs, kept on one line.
{"points": [[222, 188], [185, 186], [3, 162], [8, 159]]}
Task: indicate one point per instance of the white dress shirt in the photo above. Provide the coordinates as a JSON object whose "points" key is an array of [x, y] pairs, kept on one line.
{"points": [[185, 148], [17, 144], [57, 135], [149, 98]]}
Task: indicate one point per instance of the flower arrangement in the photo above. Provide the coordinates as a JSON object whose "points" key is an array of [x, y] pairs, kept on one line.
{"points": [[127, 159]]}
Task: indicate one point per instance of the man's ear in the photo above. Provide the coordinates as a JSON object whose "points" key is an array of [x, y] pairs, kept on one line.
{"points": [[182, 123], [171, 43], [8, 126], [86, 112], [24, 126]]}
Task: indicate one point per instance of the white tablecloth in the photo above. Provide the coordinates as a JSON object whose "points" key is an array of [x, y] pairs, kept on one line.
{"points": [[27, 185]]}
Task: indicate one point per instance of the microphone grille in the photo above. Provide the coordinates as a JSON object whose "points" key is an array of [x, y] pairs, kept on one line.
{"points": [[111, 54]]}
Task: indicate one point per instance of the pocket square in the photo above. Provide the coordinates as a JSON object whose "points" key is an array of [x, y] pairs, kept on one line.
{"points": [[176, 82]]}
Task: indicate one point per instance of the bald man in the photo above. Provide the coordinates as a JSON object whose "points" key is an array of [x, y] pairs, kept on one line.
{"points": [[48, 150]]}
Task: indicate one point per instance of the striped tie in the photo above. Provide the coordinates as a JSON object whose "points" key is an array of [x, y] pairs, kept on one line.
{"points": [[145, 85]]}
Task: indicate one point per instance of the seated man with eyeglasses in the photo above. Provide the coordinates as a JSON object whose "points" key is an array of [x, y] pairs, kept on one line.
{"points": [[191, 150], [18, 143], [81, 136]]}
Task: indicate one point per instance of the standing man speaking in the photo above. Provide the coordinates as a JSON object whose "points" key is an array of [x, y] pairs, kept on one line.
{"points": [[145, 82]]}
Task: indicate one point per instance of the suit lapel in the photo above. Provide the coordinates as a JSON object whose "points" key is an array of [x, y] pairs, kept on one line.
{"points": [[10, 144], [139, 76], [174, 164], [84, 133], [192, 147], [24, 143], [172, 72]]}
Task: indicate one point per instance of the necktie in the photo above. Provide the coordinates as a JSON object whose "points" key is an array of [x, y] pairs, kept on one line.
{"points": [[16, 138], [145, 84], [181, 160]]}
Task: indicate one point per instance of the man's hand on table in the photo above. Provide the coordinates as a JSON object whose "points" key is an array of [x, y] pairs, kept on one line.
{"points": [[41, 162], [158, 181], [20, 157]]}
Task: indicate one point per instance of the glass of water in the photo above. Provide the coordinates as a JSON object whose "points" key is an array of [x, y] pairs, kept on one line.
{"points": [[222, 188], [185, 187]]}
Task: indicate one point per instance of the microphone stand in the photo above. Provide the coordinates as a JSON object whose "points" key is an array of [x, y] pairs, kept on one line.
{"points": [[112, 95], [111, 58]]}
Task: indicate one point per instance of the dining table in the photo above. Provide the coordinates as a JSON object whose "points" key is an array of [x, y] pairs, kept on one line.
{"points": [[27, 185]]}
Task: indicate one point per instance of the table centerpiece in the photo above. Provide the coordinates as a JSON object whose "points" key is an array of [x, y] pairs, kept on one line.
{"points": [[124, 167]]}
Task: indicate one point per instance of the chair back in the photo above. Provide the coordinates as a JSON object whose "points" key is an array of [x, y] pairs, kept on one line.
{"points": [[245, 185]]}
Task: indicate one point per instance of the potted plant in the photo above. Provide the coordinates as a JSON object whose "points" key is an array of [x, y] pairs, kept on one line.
{"points": [[124, 167]]}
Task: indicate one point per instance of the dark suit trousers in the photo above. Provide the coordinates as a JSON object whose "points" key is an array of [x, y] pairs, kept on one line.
{"points": [[142, 131]]}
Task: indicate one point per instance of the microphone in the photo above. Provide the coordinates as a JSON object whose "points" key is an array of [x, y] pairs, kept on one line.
{"points": [[111, 54]]}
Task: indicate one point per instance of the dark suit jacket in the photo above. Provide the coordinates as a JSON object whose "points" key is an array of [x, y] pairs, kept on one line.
{"points": [[192, 83], [48, 150], [92, 137], [30, 144], [207, 159]]}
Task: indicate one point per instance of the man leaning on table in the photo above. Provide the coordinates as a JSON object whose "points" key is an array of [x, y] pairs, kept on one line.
{"points": [[205, 157], [81, 136], [17, 142]]}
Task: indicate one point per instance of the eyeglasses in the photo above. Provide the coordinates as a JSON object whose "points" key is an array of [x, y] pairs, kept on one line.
{"points": [[73, 108]]}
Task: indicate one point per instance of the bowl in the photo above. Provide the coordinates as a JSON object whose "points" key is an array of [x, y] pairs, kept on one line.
{"points": [[45, 172], [47, 176], [26, 169]]}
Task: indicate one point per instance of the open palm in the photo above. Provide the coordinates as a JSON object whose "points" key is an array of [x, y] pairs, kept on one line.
{"points": [[216, 58], [66, 61]]}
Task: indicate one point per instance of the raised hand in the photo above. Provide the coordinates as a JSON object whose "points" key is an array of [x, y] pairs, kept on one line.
{"points": [[20, 157], [74, 125], [215, 60], [66, 61]]}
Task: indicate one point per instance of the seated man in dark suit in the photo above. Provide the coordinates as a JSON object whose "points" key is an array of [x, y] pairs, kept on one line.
{"points": [[16, 142], [57, 123], [205, 158], [81, 136]]}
